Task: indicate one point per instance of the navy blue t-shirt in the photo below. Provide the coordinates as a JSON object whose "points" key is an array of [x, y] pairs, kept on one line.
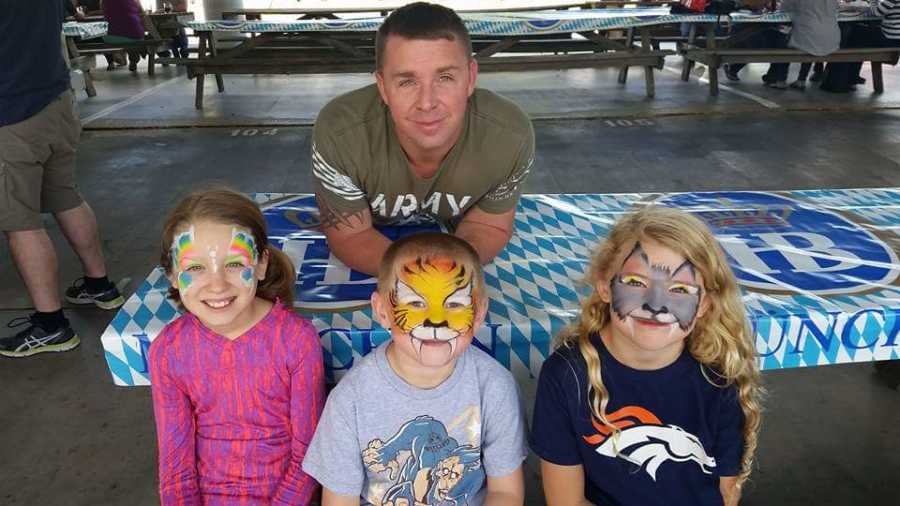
{"points": [[679, 433], [32, 69]]}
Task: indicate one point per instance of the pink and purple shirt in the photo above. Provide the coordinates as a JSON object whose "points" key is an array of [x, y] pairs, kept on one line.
{"points": [[124, 18], [234, 417]]}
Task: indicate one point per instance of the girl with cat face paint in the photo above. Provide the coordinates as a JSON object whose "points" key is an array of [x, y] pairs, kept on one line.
{"points": [[672, 408], [655, 299]]}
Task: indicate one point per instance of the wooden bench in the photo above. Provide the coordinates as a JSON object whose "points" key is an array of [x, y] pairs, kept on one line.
{"points": [[345, 52], [150, 46], [159, 27], [85, 64], [715, 58], [334, 12]]}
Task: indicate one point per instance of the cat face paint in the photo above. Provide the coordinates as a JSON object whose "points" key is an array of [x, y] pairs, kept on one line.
{"points": [[434, 308], [655, 293]]}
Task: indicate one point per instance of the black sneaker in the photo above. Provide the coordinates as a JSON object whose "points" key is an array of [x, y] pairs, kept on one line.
{"points": [[731, 74], [109, 299], [34, 339]]}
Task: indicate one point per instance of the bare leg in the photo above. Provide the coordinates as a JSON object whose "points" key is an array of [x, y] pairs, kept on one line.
{"points": [[34, 256], [79, 225]]}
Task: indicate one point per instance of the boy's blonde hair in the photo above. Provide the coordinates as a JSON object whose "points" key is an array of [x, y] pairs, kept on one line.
{"points": [[428, 245], [722, 340]]}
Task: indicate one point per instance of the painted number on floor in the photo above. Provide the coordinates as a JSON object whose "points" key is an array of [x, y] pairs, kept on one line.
{"points": [[251, 132], [619, 123]]}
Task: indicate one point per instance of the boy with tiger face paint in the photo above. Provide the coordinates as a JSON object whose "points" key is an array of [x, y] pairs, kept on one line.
{"points": [[431, 300], [425, 418]]}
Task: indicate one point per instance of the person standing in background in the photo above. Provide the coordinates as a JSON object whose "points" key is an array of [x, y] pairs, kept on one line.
{"points": [[39, 133]]}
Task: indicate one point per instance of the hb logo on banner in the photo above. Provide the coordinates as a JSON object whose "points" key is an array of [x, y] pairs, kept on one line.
{"points": [[323, 281], [777, 243]]}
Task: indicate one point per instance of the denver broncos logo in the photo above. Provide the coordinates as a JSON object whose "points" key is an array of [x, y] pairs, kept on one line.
{"points": [[646, 442]]}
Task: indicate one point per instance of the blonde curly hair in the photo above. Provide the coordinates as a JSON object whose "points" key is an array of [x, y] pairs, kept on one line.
{"points": [[722, 340]]}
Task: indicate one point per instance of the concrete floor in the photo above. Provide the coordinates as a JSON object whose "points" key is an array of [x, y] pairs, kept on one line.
{"points": [[70, 437]]}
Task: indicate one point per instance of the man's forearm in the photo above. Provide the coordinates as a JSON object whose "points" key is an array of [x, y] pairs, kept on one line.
{"points": [[361, 251], [487, 240]]}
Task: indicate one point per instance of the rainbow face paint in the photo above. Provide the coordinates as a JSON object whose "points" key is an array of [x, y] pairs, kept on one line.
{"points": [[242, 255], [184, 281], [242, 245], [183, 248], [215, 267], [247, 275]]}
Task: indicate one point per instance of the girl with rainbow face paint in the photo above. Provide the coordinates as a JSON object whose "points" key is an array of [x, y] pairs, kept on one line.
{"points": [[216, 268], [238, 357]]}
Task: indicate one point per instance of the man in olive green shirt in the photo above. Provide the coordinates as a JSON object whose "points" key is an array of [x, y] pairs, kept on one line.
{"points": [[422, 143]]}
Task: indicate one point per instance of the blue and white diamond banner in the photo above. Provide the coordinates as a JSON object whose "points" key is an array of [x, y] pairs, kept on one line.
{"points": [[85, 30], [518, 23], [819, 271]]}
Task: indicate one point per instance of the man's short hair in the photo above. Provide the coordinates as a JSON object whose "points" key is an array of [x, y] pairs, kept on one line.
{"points": [[421, 21], [428, 245]]}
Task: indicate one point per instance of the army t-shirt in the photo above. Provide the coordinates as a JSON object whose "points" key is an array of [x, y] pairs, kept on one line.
{"points": [[358, 161]]}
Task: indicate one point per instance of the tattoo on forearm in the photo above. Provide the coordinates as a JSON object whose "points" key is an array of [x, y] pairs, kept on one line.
{"points": [[329, 217]]}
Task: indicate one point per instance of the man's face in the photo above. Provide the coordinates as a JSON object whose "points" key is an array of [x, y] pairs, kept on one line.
{"points": [[432, 310], [216, 269], [426, 84]]}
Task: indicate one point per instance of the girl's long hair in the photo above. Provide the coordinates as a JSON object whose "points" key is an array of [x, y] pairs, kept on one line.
{"points": [[722, 340], [223, 205]]}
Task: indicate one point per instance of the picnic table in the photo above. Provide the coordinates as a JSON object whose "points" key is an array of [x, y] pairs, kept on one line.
{"points": [[86, 30], [75, 32], [818, 269], [717, 51], [367, 6], [160, 28], [347, 45], [167, 24]]}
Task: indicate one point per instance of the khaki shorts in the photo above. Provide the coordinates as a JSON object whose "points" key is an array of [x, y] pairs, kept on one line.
{"points": [[37, 165]]}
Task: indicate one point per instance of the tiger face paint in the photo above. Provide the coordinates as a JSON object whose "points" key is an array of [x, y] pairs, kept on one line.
{"points": [[434, 305], [655, 298]]}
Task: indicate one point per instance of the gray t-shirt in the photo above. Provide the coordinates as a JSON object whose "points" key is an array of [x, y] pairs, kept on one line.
{"points": [[388, 441]]}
